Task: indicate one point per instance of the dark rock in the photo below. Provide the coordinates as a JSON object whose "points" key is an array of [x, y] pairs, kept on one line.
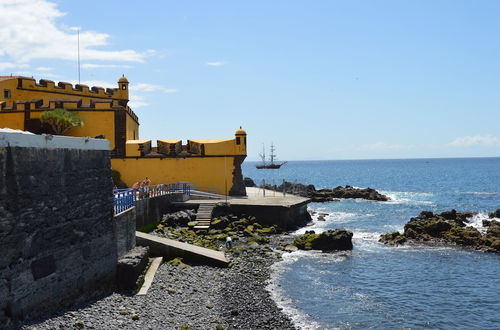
{"points": [[330, 240], [449, 215], [249, 182], [130, 267], [491, 223], [449, 227], [394, 238], [495, 214], [327, 195], [180, 218]]}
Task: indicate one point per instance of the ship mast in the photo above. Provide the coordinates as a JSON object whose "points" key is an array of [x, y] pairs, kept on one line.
{"points": [[263, 154], [273, 155]]}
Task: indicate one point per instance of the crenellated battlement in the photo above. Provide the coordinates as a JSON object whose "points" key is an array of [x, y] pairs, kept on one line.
{"points": [[49, 86]]}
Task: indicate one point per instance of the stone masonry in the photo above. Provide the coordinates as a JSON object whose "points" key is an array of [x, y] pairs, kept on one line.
{"points": [[57, 241]]}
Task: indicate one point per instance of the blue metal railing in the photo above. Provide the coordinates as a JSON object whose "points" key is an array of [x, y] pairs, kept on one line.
{"points": [[125, 198]]}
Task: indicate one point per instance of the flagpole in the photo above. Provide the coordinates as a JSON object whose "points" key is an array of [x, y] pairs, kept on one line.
{"points": [[78, 36]]}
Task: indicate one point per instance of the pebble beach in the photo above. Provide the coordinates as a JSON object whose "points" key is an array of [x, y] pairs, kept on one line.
{"points": [[188, 297]]}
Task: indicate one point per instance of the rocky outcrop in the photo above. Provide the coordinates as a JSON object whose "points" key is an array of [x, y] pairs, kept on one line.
{"points": [[449, 227], [330, 240], [180, 218], [249, 182], [328, 195], [495, 214]]}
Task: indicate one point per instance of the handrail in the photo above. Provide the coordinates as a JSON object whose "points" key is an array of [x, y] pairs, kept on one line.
{"points": [[126, 198]]}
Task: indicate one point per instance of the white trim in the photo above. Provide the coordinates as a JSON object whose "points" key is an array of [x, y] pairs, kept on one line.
{"points": [[19, 139]]}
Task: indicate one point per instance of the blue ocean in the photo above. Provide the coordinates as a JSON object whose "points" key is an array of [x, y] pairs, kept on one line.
{"points": [[382, 287]]}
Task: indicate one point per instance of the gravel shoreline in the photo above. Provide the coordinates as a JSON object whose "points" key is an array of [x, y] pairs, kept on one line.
{"points": [[200, 297]]}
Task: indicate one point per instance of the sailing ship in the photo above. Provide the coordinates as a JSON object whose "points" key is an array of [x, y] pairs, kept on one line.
{"points": [[271, 164]]}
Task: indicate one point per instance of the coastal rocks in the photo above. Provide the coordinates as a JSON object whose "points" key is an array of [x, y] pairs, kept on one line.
{"points": [[495, 214], [330, 240], [328, 195], [180, 218], [130, 267], [449, 227], [249, 182]]}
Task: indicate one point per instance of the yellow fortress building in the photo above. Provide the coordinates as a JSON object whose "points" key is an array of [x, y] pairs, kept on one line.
{"points": [[212, 165]]}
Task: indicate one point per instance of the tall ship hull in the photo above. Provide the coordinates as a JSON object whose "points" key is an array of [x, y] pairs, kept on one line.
{"points": [[271, 164]]}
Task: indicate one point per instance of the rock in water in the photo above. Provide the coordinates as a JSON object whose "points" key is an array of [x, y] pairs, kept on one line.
{"points": [[447, 228], [328, 195], [330, 240], [495, 214]]}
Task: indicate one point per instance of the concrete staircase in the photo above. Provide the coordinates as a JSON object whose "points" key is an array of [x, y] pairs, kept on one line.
{"points": [[204, 216]]}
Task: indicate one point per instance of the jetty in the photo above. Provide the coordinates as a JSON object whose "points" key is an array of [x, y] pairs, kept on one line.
{"points": [[270, 207]]}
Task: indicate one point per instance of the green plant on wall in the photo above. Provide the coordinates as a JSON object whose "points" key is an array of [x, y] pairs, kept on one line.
{"points": [[61, 120]]}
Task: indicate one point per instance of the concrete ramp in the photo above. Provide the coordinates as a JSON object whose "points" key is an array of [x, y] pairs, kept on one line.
{"points": [[164, 247]]}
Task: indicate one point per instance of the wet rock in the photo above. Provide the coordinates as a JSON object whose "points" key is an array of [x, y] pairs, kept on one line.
{"points": [[330, 240], [495, 214], [449, 227], [394, 238]]}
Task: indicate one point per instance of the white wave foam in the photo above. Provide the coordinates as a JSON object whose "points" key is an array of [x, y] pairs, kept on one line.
{"points": [[479, 192], [476, 221], [406, 197], [321, 226], [299, 318]]}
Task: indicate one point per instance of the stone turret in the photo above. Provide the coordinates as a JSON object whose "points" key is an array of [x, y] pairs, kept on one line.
{"points": [[123, 90], [241, 141]]}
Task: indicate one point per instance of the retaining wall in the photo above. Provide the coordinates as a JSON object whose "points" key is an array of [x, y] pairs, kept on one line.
{"points": [[124, 227], [57, 238], [150, 210], [286, 217]]}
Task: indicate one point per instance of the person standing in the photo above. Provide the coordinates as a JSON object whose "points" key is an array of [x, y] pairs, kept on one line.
{"points": [[146, 183], [229, 242]]}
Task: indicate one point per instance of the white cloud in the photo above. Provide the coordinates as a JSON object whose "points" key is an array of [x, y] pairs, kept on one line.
{"points": [[137, 101], [8, 65], [145, 87], [29, 31], [216, 63], [469, 141], [104, 66], [44, 68]]}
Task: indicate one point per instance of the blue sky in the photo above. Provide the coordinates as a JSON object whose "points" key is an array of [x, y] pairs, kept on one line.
{"points": [[320, 79]]}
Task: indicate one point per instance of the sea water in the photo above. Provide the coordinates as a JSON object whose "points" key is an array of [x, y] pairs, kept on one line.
{"points": [[384, 287]]}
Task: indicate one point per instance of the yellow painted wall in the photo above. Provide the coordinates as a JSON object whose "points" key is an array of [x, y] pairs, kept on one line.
{"points": [[14, 120], [132, 127], [11, 85], [31, 90], [94, 123], [200, 171]]}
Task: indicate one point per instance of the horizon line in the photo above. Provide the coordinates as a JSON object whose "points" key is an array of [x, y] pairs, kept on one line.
{"points": [[411, 158]]}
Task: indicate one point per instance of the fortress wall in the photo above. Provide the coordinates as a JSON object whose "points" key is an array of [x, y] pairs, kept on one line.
{"points": [[216, 173], [57, 238]]}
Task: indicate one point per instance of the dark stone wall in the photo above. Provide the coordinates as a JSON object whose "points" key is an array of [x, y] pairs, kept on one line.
{"points": [[124, 228], [151, 210], [57, 239], [238, 187]]}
